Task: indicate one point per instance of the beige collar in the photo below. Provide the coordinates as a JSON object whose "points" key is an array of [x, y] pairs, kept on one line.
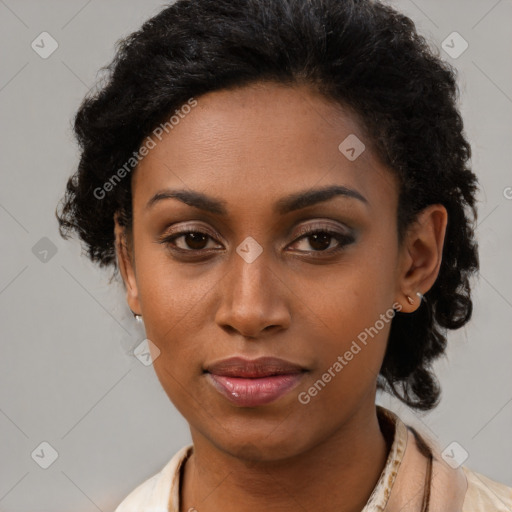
{"points": [[400, 487]]}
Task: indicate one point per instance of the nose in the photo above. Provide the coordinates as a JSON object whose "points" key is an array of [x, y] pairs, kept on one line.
{"points": [[254, 300]]}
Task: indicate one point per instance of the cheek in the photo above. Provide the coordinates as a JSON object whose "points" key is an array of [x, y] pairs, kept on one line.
{"points": [[350, 296], [174, 309], [169, 292], [353, 310], [354, 333], [354, 323]]}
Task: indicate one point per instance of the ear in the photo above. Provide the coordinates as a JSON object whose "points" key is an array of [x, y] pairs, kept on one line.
{"points": [[421, 256], [126, 266]]}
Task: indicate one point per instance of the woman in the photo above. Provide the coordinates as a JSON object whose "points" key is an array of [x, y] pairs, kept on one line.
{"points": [[284, 187]]}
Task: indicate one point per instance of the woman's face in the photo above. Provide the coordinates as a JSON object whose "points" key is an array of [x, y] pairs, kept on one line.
{"points": [[252, 285]]}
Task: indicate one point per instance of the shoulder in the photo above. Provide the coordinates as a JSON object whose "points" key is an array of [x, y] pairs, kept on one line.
{"points": [[155, 493], [484, 494], [139, 496], [459, 488]]}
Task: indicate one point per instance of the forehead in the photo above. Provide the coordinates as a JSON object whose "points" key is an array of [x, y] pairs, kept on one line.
{"points": [[263, 141]]}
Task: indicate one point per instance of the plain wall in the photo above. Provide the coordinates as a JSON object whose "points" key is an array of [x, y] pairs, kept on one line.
{"points": [[67, 374]]}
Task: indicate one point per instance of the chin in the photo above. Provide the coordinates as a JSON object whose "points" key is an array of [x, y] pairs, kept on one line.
{"points": [[264, 444]]}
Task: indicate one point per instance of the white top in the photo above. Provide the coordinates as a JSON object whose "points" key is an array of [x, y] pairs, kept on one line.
{"points": [[400, 486]]}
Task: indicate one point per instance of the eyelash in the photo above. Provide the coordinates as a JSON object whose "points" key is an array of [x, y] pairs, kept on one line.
{"points": [[342, 239]]}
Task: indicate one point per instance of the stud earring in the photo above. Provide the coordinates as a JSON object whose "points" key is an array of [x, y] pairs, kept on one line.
{"points": [[411, 300], [138, 319]]}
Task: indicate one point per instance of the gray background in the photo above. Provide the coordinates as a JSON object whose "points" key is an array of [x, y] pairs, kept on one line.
{"points": [[67, 373]]}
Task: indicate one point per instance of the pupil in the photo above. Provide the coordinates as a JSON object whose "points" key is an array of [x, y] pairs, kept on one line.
{"points": [[322, 238], [192, 239]]}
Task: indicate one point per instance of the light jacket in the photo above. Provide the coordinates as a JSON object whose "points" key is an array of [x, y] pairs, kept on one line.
{"points": [[400, 487]]}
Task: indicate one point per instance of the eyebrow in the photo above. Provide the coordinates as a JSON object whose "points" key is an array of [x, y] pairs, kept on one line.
{"points": [[292, 202]]}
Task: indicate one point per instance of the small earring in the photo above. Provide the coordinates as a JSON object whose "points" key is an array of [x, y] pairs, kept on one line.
{"points": [[138, 319], [411, 301], [420, 295]]}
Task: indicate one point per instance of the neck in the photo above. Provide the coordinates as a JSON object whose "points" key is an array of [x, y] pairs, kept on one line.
{"points": [[337, 474]]}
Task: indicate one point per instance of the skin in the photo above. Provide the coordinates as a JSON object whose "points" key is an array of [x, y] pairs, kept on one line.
{"points": [[297, 300]]}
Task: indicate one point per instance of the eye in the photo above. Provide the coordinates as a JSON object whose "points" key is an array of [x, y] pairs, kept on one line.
{"points": [[320, 239], [192, 241]]}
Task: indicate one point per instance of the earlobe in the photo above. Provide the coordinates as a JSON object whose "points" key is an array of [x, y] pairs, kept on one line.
{"points": [[423, 249], [126, 267]]}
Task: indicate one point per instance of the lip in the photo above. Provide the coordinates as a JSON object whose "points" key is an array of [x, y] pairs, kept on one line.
{"points": [[254, 382]]}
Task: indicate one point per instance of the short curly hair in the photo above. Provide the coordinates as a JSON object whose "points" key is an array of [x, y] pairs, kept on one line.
{"points": [[361, 54]]}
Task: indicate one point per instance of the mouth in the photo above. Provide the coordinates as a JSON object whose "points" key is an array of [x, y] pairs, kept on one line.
{"points": [[251, 383]]}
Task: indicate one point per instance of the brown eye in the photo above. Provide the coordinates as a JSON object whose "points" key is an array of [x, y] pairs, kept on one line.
{"points": [[191, 241], [195, 240], [316, 240], [320, 240]]}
